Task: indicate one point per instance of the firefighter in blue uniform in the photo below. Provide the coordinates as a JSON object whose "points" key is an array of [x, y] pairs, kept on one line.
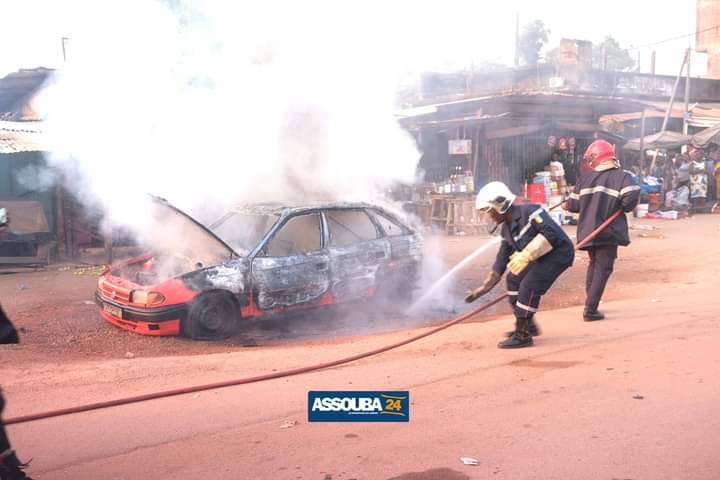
{"points": [[602, 189], [534, 249]]}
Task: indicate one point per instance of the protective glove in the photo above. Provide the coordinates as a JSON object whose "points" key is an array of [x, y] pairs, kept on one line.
{"points": [[491, 280], [537, 247]]}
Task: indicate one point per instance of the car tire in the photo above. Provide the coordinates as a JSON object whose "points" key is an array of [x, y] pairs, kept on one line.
{"points": [[212, 316]]}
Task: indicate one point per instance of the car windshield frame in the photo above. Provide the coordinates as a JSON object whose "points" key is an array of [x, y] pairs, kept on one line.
{"points": [[245, 246]]}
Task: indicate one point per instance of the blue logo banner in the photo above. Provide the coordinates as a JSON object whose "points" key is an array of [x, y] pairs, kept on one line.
{"points": [[358, 406]]}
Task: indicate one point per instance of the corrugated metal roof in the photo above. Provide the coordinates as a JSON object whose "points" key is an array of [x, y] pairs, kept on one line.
{"points": [[17, 90], [16, 137]]}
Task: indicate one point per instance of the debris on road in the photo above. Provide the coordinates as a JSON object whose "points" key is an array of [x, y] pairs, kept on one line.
{"points": [[635, 226], [289, 424], [129, 355], [469, 461], [638, 397]]}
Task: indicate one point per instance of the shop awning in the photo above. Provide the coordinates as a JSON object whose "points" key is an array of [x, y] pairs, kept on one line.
{"points": [[707, 137], [665, 140]]}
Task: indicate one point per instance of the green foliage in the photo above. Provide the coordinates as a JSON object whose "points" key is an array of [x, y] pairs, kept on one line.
{"points": [[618, 58], [532, 38]]}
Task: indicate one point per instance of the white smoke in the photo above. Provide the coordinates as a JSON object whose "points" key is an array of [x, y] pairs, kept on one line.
{"points": [[223, 103]]}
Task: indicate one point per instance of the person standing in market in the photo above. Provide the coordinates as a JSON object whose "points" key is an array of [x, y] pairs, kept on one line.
{"points": [[698, 179], [604, 189], [10, 467], [534, 249]]}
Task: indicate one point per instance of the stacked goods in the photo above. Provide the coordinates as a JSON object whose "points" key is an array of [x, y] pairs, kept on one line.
{"points": [[543, 178], [557, 173]]}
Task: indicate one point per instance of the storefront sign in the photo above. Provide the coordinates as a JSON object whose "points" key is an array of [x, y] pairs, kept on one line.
{"points": [[460, 147]]}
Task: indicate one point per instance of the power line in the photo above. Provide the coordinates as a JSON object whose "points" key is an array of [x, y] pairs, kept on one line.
{"points": [[715, 27]]}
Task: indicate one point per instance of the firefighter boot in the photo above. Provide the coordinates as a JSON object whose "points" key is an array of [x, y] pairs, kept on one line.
{"points": [[533, 329], [592, 315], [521, 336], [11, 468]]}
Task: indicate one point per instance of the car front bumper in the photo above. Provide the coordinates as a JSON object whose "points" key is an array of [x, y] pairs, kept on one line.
{"points": [[160, 321]]}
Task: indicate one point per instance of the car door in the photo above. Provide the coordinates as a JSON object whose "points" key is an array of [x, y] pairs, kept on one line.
{"points": [[357, 253], [404, 264], [292, 267]]}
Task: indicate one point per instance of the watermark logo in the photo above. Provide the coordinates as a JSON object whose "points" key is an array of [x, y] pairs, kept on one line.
{"points": [[358, 406]]}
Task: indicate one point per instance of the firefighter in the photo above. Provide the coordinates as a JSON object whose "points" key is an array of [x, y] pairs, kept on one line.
{"points": [[602, 189], [534, 249], [10, 466]]}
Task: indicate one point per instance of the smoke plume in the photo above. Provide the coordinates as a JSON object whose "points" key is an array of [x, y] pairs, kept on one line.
{"points": [[210, 104]]}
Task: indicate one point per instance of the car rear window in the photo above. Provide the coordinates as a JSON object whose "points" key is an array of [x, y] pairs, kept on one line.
{"points": [[349, 226], [299, 235], [390, 227]]}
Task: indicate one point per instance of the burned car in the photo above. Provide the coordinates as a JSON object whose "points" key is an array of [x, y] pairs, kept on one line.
{"points": [[256, 261]]}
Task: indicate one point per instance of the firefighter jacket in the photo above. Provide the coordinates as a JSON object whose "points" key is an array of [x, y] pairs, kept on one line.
{"points": [[598, 195], [528, 221]]}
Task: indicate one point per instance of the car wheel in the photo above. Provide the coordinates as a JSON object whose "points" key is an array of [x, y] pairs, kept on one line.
{"points": [[212, 316]]}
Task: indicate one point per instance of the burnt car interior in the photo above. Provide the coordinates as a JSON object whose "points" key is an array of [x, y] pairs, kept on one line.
{"points": [[390, 228], [349, 226], [299, 235]]}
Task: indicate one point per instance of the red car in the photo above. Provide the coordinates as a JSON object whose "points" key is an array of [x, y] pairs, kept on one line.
{"points": [[258, 260]]}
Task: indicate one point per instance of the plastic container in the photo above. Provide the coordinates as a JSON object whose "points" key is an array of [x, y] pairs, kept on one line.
{"points": [[557, 217], [654, 200]]}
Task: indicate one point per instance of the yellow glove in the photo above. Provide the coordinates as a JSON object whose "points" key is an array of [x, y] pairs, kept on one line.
{"points": [[491, 280], [519, 262], [537, 247]]}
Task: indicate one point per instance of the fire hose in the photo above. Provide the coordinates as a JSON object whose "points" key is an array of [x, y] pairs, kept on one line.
{"points": [[286, 373]]}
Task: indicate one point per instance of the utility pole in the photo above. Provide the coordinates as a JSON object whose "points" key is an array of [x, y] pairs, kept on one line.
{"points": [[517, 39], [604, 58], [642, 143], [64, 41], [652, 62], [687, 92], [674, 90]]}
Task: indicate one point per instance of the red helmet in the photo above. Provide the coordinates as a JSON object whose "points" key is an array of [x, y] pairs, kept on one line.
{"points": [[596, 153]]}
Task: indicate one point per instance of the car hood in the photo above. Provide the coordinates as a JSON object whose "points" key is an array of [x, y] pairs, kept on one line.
{"points": [[193, 234]]}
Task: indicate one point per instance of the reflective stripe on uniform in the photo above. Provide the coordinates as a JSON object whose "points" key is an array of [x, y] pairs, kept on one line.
{"points": [[631, 188], [575, 196], [609, 191], [528, 224], [525, 307], [512, 294]]}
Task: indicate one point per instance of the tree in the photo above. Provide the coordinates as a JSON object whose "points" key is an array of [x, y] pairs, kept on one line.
{"points": [[534, 35], [618, 58]]}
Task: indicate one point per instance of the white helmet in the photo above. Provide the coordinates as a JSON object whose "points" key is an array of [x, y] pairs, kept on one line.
{"points": [[495, 195]]}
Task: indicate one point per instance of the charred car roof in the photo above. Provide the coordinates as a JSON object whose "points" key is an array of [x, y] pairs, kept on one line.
{"points": [[281, 209]]}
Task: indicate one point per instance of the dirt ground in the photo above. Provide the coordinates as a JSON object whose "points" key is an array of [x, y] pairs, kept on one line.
{"points": [[560, 405], [55, 311]]}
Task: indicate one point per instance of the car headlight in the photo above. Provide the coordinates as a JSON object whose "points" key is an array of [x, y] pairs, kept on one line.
{"points": [[142, 297]]}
